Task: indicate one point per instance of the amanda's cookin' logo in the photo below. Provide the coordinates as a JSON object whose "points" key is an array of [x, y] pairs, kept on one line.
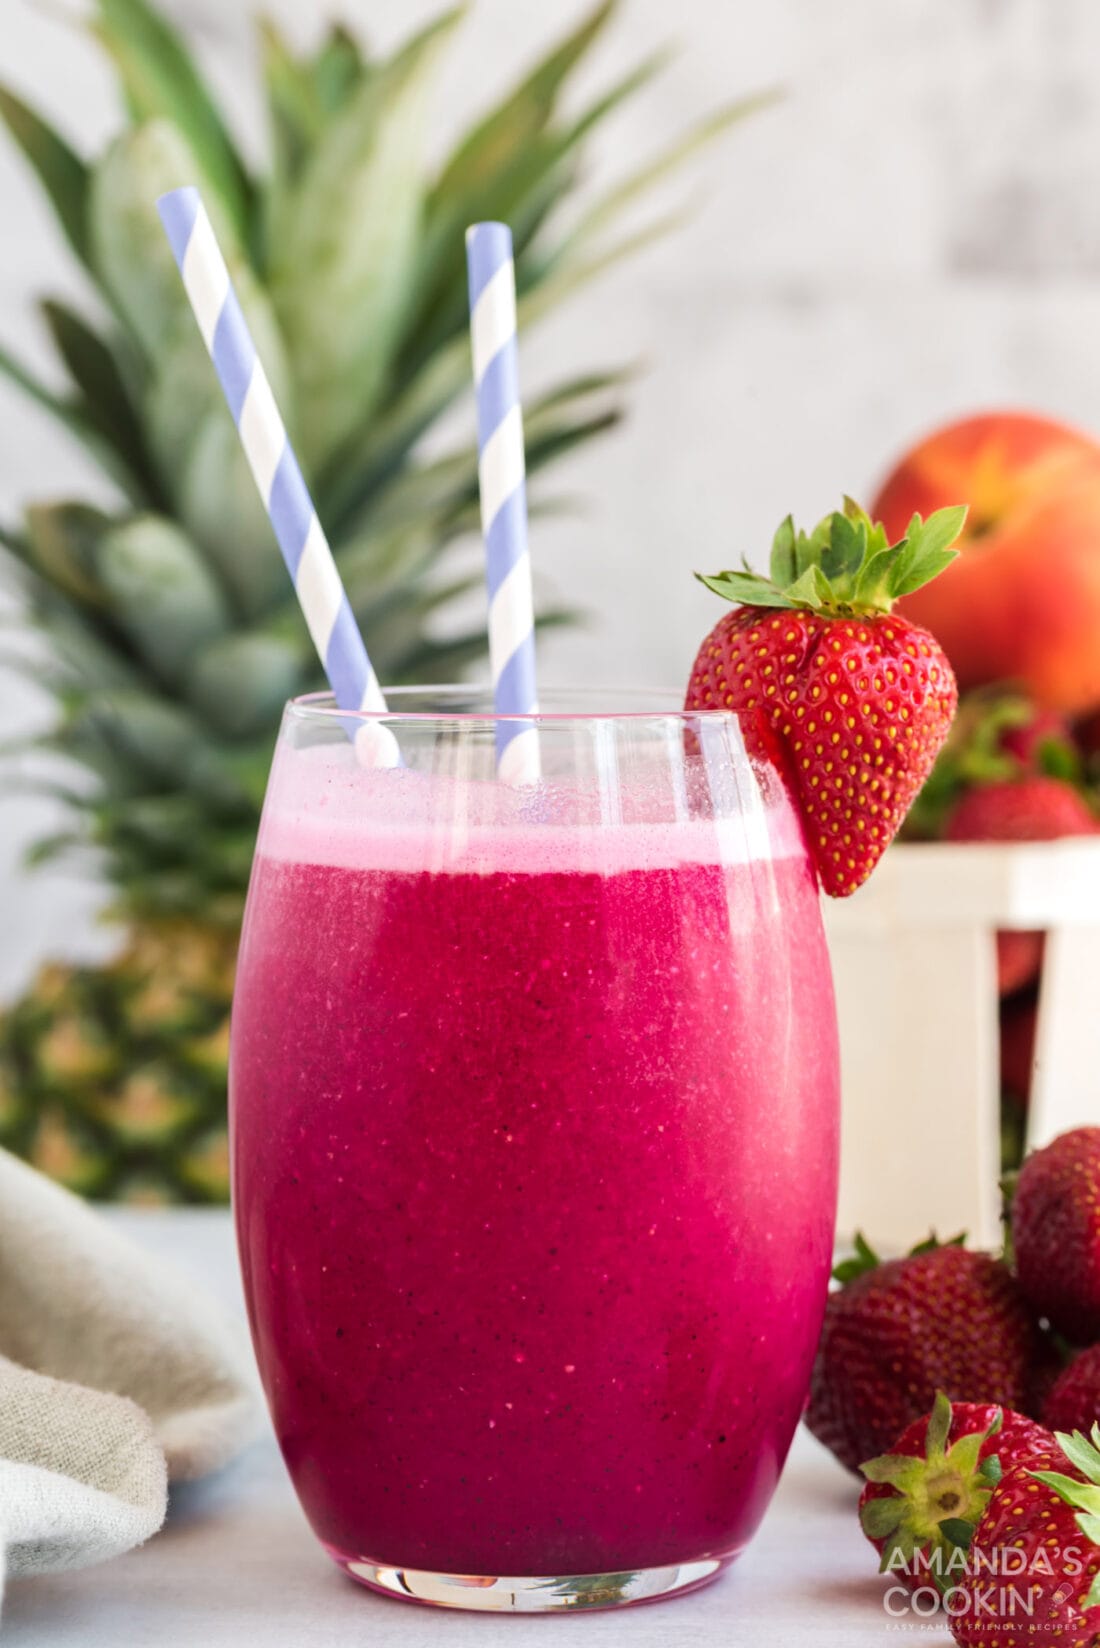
{"points": [[998, 1585]]}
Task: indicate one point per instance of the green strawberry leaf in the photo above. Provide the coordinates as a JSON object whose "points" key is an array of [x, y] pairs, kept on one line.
{"points": [[873, 578], [804, 553], [812, 589], [957, 1532], [920, 572], [939, 531], [784, 560], [865, 1259], [895, 1470], [1081, 1496], [963, 1455], [879, 1518], [843, 553], [748, 589], [939, 1427], [1081, 1453], [927, 550], [846, 567], [932, 1244], [1056, 758], [899, 1551]]}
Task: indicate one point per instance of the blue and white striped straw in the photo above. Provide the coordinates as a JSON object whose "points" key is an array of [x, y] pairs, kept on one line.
{"points": [[275, 469], [503, 496]]}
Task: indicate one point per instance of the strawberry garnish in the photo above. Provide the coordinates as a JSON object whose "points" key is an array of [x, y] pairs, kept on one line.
{"points": [[858, 699]]}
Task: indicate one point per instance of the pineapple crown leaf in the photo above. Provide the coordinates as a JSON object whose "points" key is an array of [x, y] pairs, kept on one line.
{"points": [[846, 566], [311, 99], [179, 586], [64, 176], [161, 82]]}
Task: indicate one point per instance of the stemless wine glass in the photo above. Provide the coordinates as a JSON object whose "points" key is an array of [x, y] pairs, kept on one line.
{"points": [[534, 1104]]}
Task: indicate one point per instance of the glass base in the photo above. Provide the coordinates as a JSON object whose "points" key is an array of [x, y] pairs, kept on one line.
{"points": [[534, 1595]]}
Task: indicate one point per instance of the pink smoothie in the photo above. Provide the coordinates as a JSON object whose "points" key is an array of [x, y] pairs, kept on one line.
{"points": [[534, 1173]]}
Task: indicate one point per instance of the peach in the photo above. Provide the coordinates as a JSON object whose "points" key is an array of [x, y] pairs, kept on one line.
{"points": [[1022, 602]]}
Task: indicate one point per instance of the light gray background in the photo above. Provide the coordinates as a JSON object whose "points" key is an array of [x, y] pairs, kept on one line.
{"points": [[912, 234]]}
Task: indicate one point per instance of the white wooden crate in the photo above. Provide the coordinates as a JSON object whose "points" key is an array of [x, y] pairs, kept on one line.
{"points": [[914, 960]]}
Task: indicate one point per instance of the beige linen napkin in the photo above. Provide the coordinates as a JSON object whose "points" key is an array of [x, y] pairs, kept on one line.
{"points": [[116, 1376]]}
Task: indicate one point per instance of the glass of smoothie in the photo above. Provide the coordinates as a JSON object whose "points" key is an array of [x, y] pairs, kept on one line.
{"points": [[534, 1100]]}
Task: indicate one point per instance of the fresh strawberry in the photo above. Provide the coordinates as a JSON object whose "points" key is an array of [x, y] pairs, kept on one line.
{"points": [[1040, 740], [896, 1333], [859, 700], [1019, 1016], [1032, 1568], [998, 735], [1086, 734], [1019, 959], [1033, 808], [1018, 1023], [1056, 1233], [924, 1498], [1073, 1401]]}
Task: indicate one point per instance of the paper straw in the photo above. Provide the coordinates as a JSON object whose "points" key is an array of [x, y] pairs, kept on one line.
{"points": [[276, 471], [503, 496]]}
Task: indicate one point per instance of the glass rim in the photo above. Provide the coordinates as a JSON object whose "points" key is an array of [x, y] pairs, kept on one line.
{"points": [[323, 708]]}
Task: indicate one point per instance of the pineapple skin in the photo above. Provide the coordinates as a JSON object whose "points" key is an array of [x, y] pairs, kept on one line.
{"points": [[113, 1079]]}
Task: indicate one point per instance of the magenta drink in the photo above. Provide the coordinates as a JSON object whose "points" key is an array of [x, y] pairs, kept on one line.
{"points": [[534, 1101]]}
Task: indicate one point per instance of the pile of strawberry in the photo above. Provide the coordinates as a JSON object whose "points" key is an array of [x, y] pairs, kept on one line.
{"points": [[1011, 771], [966, 1388]]}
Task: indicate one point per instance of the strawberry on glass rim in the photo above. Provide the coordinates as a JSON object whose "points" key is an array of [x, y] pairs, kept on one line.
{"points": [[858, 699]]}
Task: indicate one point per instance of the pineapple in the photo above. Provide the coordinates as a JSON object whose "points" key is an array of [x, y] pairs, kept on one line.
{"points": [[172, 632]]}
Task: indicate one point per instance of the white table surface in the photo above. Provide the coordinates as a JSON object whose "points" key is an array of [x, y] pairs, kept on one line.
{"points": [[236, 1566]]}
